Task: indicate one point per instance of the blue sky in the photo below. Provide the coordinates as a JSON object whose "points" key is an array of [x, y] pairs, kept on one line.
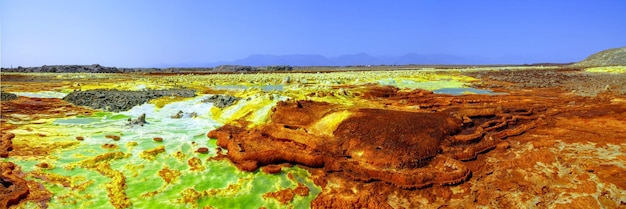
{"points": [[135, 33]]}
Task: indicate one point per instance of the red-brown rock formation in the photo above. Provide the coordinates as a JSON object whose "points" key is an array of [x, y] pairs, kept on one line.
{"points": [[6, 144], [398, 147], [12, 187]]}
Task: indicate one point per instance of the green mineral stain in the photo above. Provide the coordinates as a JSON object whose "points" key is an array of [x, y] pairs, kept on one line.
{"points": [[118, 117], [101, 114], [144, 186], [25, 164], [78, 120]]}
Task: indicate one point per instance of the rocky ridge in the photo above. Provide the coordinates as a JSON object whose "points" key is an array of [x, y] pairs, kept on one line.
{"points": [[609, 57], [117, 101]]}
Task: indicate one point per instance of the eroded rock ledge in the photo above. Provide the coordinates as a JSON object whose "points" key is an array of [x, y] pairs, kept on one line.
{"points": [[408, 149], [12, 187], [6, 144]]}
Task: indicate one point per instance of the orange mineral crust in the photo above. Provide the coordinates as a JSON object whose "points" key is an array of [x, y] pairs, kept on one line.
{"points": [[37, 108], [431, 149], [30, 109], [537, 138], [13, 188], [6, 144]]}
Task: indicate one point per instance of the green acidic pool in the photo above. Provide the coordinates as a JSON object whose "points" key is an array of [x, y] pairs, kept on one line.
{"points": [[138, 172]]}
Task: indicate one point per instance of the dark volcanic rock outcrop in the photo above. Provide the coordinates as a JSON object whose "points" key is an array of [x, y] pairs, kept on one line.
{"points": [[95, 68], [116, 100], [235, 68], [6, 96], [221, 101], [609, 57]]}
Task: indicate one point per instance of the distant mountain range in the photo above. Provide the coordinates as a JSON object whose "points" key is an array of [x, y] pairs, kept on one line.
{"points": [[345, 60]]}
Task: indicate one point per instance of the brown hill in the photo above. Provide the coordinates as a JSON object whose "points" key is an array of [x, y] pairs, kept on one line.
{"points": [[609, 57]]}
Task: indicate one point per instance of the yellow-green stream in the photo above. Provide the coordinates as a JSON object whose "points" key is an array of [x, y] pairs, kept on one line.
{"points": [[221, 183]]}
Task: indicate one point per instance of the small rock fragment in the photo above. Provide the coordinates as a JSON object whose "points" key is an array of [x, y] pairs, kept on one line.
{"points": [[114, 137], [270, 169], [203, 150], [141, 120], [503, 145], [178, 115], [109, 146], [43, 165], [221, 101]]}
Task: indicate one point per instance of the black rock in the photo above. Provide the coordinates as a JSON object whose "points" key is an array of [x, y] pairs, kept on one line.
{"points": [[221, 101], [6, 96], [117, 101]]}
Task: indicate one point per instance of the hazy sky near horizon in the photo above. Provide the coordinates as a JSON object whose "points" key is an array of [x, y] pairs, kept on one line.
{"points": [[139, 33]]}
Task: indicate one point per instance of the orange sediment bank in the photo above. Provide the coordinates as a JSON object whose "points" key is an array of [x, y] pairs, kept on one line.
{"points": [[285, 196], [25, 108], [37, 108], [6, 144], [12, 187]]}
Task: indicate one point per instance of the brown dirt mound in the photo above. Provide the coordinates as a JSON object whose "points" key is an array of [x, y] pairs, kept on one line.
{"points": [[300, 113], [395, 139], [609, 57]]}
